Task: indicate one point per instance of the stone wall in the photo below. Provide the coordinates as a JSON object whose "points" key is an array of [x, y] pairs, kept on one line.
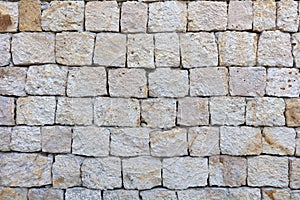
{"points": [[129, 100]]}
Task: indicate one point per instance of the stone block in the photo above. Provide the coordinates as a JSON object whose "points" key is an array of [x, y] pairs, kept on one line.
{"points": [[45, 193], [240, 15], [9, 16], [245, 193], [296, 48], [158, 193], [288, 16], [78, 193], [5, 138], [12, 81], [4, 49], [30, 15], [121, 195], [26, 139], [7, 107], [292, 112], [131, 11], [274, 194], [13, 193], [264, 15], [207, 193], [294, 173]]}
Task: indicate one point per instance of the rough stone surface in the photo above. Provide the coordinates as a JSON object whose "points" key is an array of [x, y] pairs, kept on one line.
{"points": [[90, 141], [13, 193], [131, 11], [297, 151], [295, 195], [46, 80], [167, 16], [274, 49], [211, 81], [63, 16], [278, 140], [266, 111], [292, 112], [168, 143], [244, 193], [36, 110], [237, 48], [121, 195], [287, 16], [30, 15], [159, 194], [227, 171], [7, 107], [127, 83], [167, 50], [9, 16], [33, 48], [102, 16], [296, 48], [192, 111], [25, 170], [268, 171], [140, 51], [74, 111], [207, 16], [86, 81], [241, 141], [141, 172], [250, 81], [129, 141], [101, 173], [56, 139], [198, 50], [227, 110], [274, 194], [12, 81], [208, 193], [181, 172], [4, 49], [264, 15], [26, 139], [203, 141], [5, 138], [82, 193], [158, 113], [240, 15], [116, 112], [168, 83], [294, 173], [45, 193]]}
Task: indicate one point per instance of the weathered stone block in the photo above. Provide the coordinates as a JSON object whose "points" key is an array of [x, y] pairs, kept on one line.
{"points": [[7, 108], [287, 16], [13, 193], [264, 15], [185, 172], [294, 173], [292, 112], [274, 194], [9, 16], [296, 48], [121, 195], [45, 193], [158, 193], [5, 138], [141, 172], [4, 49], [297, 152], [78, 193], [131, 11], [30, 15], [240, 15], [12, 80], [207, 193], [244, 193], [26, 139]]}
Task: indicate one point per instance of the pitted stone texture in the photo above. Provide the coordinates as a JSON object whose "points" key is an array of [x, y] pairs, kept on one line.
{"points": [[158, 194], [66, 171], [140, 51], [264, 15], [129, 141], [185, 172], [74, 111], [207, 193], [30, 15], [86, 81], [227, 171], [131, 11], [12, 80], [26, 139], [33, 48], [141, 172], [237, 48], [101, 173], [82, 193], [5, 49], [240, 15], [295, 195], [7, 108], [268, 171], [167, 16], [192, 111], [296, 48], [207, 16], [121, 195], [158, 113], [287, 16], [274, 49], [56, 139], [168, 83], [274, 194], [116, 112], [227, 110], [198, 50], [63, 16], [283, 82], [5, 138], [36, 110], [278, 141], [203, 141], [73, 48], [250, 81], [127, 83], [294, 173], [90, 141], [240, 141], [110, 49], [169, 143], [45, 193], [211, 81], [292, 112], [13, 193], [244, 193], [167, 50], [25, 170], [102, 16], [265, 111], [9, 16], [46, 80]]}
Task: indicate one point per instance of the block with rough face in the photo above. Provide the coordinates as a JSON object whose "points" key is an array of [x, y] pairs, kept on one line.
{"points": [[264, 15], [240, 15], [5, 49], [121, 194], [26, 139], [82, 193], [12, 81], [5, 138], [288, 16], [131, 11], [9, 16], [292, 112], [7, 107], [44, 193]]}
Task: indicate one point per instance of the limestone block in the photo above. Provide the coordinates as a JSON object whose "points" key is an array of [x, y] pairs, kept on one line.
{"points": [[78, 193], [264, 15], [26, 139], [30, 15], [294, 173], [287, 16], [13, 193], [121, 195], [296, 48], [244, 193], [12, 81], [44, 193], [292, 112], [159, 194], [131, 11], [7, 108], [207, 193], [4, 49], [5, 138], [274, 194], [240, 15], [9, 15]]}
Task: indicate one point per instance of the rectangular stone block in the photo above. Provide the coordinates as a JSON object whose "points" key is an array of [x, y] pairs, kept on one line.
{"points": [[13, 193], [288, 16], [82, 193], [30, 15], [294, 173], [7, 107], [9, 16], [131, 11], [201, 193], [121, 195], [44, 193], [158, 193], [5, 138], [270, 194], [296, 48], [240, 15], [264, 15], [4, 49], [292, 112], [245, 193], [12, 81], [26, 139]]}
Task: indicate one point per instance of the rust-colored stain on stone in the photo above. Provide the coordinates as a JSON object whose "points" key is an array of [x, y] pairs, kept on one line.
{"points": [[5, 21], [270, 194]]}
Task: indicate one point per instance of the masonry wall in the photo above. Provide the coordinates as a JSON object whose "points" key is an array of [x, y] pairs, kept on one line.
{"points": [[129, 100]]}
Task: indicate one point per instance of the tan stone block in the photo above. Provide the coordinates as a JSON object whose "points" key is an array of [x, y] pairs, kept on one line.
{"points": [[275, 194], [12, 81], [240, 15], [292, 112], [244, 193], [131, 11], [30, 15], [264, 15], [9, 16], [13, 193]]}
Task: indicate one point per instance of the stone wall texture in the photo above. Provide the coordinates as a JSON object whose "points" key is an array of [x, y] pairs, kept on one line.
{"points": [[149, 100]]}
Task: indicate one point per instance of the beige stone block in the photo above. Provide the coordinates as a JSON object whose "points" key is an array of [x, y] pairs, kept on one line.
{"points": [[30, 15], [264, 15], [292, 112], [288, 16], [9, 16], [12, 81], [131, 11], [240, 15], [5, 49]]}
